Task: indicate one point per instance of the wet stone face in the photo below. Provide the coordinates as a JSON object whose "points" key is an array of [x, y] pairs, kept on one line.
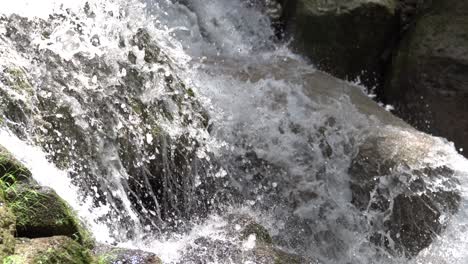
{"points": [[404, 206]]}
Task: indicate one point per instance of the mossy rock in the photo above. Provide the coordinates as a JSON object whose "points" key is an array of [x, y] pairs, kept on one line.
{"points": [[111, 255], [260, 232], [7, 231], [335, 35], [244, 226], [49, 250], [40, 212], [11, 170]]}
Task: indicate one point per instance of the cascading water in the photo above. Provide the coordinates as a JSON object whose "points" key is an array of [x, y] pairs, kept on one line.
{"points": [[162, 116]]}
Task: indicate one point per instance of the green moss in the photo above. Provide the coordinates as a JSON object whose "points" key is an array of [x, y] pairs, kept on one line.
{"points": [[40, 212], [17, 79], [137, 106], [50, 250], [7, 230], [286, 258], [70, 252], [108, 257], [11, 170], [259, 231], [118, 255], [190, 92], [14, 259]]}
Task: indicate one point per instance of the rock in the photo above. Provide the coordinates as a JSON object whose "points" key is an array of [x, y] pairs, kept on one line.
{"points": [[408, 201], [11, 170], [40, 212], [110, 255], [406, 196], [264, 251], [268, 254], [132, 139], [50, 250], [335, 35], [405, 172], [244, 226], [427, 83]]}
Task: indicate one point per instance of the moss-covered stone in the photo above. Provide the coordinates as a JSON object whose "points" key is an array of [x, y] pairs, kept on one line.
{"points": [[345, 38], [11, 170], [260, 232], [243, 226], [40, 212], [49, 250]]}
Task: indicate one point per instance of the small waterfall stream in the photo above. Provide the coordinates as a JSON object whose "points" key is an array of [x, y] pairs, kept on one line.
{"points": [[200, 99]]}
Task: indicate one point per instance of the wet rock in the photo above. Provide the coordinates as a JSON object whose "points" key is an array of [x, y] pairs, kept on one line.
{"points": [[107, 122], [335, 35], [428, 84], [40, 212], [10, 171], [266, 254], [263, 249], [245, 226], [407, 200], [112, 255], [53, 250]]}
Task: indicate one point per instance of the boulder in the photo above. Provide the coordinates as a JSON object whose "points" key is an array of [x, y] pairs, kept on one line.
{"points": [[427, 82], [407, 200], [50, 250], [401, 179], [348, 39], [406, 196]]}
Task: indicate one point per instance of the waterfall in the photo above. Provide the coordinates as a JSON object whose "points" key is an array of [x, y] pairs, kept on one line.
{"points": [[156, 118]]}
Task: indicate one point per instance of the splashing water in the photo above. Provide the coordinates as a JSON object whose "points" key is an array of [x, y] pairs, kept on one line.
{"points": [[286, 152]]}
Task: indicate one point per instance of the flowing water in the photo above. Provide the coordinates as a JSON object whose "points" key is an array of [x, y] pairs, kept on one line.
{"points": [[270, 149]]}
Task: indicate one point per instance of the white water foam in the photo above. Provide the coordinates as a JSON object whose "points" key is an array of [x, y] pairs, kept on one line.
{"points": [[34, 8]]}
